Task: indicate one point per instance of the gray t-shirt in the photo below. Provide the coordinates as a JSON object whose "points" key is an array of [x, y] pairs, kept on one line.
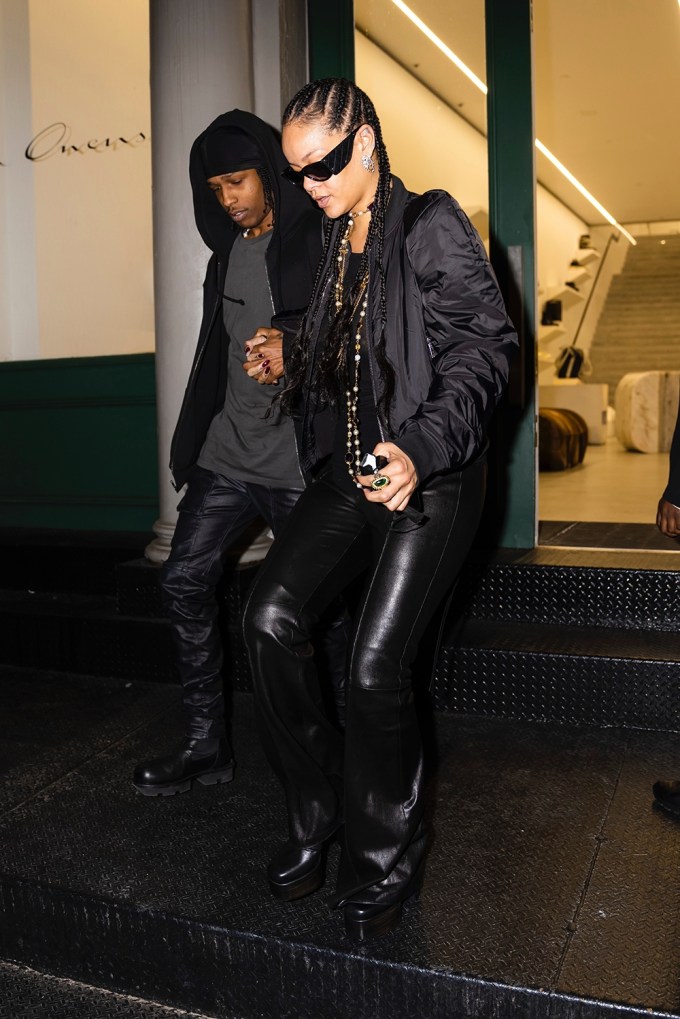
{"points": [[243, 443]]}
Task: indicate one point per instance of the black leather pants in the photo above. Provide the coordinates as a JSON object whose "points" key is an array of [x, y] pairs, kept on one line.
{"points": [[376, 785], [213, 514]]}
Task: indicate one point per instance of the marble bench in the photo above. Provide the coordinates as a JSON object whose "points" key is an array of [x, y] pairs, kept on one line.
{"points": [[646, 410]]}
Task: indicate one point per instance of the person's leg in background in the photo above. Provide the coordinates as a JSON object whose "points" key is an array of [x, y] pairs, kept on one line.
{"points": [[213, 514]]}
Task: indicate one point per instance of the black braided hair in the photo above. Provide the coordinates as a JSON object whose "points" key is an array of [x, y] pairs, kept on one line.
{"points": [[268, 189], [340, 105]]}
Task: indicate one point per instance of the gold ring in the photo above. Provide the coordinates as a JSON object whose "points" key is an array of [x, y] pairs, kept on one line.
{"points": [[379, 481]]}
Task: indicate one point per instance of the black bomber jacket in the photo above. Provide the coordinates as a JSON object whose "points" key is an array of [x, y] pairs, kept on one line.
{"points": [[448, 336]]}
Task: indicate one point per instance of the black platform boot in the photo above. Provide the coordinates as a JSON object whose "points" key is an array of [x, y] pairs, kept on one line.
{"points": [[208, 761], [367, 920], [297, 871]]}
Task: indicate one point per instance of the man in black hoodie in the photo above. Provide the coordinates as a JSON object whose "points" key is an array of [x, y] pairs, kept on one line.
{"points": [[237, 460]]}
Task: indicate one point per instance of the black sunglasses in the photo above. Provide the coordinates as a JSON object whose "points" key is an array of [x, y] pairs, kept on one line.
{"points": [[333, 162]]}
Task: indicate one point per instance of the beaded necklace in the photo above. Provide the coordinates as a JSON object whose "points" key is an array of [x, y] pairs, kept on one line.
{"points": [[353, 453]]}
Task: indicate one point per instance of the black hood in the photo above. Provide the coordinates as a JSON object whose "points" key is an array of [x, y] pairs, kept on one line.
{"points": [[214, 225]]}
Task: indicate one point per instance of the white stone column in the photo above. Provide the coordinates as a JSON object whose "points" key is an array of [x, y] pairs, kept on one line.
{"points": [[19, 336], [201, 66]]}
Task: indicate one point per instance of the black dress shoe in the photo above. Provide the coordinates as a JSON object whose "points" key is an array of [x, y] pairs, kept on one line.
{"points": [[667, 796], [295, 871], [206, 761]]}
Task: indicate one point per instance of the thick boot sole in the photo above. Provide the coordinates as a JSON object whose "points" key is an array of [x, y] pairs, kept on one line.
{"points": [[174, 788], [376, 926], [303, 886]]}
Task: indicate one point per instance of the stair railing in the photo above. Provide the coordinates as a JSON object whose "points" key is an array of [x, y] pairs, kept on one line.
{"points": [[613, 239]]}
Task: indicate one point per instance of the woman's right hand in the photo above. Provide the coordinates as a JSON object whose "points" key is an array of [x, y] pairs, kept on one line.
{"points": [[403, 478]]}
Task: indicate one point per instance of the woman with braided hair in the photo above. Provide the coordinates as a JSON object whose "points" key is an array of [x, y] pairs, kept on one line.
{"points": [[391, 380]]}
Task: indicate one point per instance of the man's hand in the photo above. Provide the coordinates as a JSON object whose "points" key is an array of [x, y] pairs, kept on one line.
{"points": [[402, 475], [264, 356], [668, 519]]}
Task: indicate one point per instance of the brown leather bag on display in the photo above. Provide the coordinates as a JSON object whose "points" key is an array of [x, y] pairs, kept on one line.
{"points": [[562, 439]]}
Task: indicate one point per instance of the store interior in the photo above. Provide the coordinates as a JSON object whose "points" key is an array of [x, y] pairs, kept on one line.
{"points": [[607, 222]]}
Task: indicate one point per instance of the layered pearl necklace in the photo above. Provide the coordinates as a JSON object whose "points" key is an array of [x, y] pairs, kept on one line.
{"points": [[353, 454]]}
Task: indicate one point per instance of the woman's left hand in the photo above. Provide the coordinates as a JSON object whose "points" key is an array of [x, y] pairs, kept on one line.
{"points": [[402, 475]]}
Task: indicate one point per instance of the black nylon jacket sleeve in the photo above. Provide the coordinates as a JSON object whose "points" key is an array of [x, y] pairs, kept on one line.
{"points": [[470, 338]]}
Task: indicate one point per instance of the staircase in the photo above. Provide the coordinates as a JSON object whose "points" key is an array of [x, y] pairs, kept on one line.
{"points": [[639, 328], [551, 885]]}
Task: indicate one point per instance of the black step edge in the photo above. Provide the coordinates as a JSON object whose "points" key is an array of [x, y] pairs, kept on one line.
{"points": [[566, 689], [553, 638], [574, 588], [202, 967]]}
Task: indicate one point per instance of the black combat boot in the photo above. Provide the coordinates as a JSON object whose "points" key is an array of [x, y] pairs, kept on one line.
{"points": [[208, 761]]}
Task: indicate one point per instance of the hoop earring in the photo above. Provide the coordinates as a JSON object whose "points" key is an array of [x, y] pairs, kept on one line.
{"points": [[367, 163]]}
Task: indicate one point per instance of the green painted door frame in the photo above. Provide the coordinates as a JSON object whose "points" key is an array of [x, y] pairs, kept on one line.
{"points": [[330, 34], [512, 204], [510, 519]]}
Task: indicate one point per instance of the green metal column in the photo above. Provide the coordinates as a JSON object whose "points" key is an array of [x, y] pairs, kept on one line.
{"points": [[330, 31], [511, 505]]}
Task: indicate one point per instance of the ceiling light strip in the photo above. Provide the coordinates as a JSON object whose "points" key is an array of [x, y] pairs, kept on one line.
{"points": [[441, 45], [583, 190], [478, 83]]}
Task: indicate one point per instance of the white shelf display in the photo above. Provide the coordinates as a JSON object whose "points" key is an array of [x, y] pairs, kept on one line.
{"points": [[567, 295], [586, 255], [546, 334]]}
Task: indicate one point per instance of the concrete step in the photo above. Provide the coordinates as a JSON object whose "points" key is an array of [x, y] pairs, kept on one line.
{"points": [[629, 341], [664, 335], [625, 355]]}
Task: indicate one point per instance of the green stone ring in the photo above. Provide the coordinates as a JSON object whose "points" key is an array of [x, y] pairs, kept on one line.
{"points": [[379, 481]]}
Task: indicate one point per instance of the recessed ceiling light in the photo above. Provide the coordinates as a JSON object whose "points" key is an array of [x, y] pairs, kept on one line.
{"points": [[478, 83], [441, 45], [582, 190]]}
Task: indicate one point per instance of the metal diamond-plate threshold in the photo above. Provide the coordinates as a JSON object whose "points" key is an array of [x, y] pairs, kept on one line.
{"points": [[26, 994]]}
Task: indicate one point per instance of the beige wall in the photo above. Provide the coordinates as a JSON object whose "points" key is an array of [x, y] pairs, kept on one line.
{"points": [[431, 146], [89, 70]]}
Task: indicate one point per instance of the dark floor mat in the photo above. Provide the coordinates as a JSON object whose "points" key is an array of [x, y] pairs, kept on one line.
{"points": [[577, 534]]}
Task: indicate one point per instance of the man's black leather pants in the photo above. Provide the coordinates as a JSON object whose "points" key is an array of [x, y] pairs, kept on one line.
{"points": [[375, 782], [213, 514]]}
